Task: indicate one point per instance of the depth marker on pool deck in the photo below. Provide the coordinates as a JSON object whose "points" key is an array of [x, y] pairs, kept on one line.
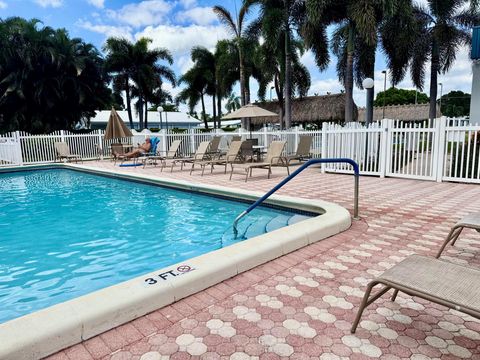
{"points": [[180, 270]]}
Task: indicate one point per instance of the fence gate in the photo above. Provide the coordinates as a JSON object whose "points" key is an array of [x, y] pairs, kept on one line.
{"points": [[10, 153], [412, 149], [357, 142]]}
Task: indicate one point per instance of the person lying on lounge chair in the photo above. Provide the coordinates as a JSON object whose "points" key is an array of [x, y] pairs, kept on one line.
{"points": [[141, 150]]}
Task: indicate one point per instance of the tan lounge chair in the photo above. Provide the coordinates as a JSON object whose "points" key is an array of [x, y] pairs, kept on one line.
{"points": [[200, 155], [451, 285], [63, 152], [213, 149], [303, 150], [230, 157], [172, 153], [471, 221], [274, 158]]}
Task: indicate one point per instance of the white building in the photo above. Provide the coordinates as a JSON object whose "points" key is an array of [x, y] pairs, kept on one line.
{"points": [[170, 120]]}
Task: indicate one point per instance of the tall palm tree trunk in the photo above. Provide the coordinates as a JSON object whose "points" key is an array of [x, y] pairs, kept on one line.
{"points": [[129, 104], [288, 74], [219, 109], [349, 76], [214, 105], [432, 113], [140, 112], [242, 82], [204, 115], [146, 114]]}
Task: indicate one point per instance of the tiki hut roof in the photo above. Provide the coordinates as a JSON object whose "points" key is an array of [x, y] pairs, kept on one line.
{"points": [[310, 109], [410, 112]]}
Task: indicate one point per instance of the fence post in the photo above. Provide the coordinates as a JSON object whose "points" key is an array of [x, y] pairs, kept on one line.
{"points": [[383, 147], [100, 144], [265, 136], [62, 135], [296, 138], [323, 153], [192, 141], [439, 154], [163, 140], [18, 148]]}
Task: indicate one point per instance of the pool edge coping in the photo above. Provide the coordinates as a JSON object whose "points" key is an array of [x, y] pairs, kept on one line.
{"points": [[52, 329]]}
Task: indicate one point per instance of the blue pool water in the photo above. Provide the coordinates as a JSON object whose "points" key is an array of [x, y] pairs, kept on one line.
{"points": [[65, 233]]}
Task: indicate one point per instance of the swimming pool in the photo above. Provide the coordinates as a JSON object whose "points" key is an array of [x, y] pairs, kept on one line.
{"points": [[66, 233]]}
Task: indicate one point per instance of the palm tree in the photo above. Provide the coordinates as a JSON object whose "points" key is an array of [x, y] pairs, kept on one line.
{"points": [[233, 102], [271, 62], [194, 91], [355, 39], [238, 28], [441, 28], [135, 62]]}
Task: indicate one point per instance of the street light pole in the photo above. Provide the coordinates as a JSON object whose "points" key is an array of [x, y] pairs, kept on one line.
{"points": [[368, 84], [384, 72], [160, 109], [271, 88]]}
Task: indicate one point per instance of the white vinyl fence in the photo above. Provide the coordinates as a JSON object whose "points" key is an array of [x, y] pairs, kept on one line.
{"points": [[438, 150]]}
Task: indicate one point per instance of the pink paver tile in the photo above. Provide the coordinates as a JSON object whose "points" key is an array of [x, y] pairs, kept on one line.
{"points": [[78, 352], [302, 304]]}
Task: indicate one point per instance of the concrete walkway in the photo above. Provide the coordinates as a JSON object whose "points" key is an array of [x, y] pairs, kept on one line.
{"points": [[301, 306]]}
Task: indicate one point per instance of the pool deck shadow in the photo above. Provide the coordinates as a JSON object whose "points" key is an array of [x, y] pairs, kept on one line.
{"points": [[301, 305]]}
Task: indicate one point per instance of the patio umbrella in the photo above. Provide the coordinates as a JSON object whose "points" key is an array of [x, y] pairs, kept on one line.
{"points": [[249, 111], [116, 128]]}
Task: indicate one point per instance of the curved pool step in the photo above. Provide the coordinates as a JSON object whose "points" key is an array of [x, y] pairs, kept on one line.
{"points": [[277, 222], [297, 218]]}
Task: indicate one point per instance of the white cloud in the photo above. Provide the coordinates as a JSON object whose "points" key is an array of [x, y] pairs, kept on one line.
{"points": [[188, 3], [97, 3], [51, 3], [108, 30], [180, 39], [197, 15], [3, 5], [184, 63], [148, 12]]}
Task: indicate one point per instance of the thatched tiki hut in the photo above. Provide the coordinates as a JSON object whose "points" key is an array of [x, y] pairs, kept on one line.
{"points": [[310, 109], [409, 112]]}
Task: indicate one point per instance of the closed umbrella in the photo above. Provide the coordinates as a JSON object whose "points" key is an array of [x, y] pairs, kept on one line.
{"points": [[116, 128], [249, 111]]}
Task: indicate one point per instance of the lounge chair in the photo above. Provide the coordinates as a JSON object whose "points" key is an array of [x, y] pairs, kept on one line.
{"points": [[63, 152], [236, 138], [471, 221], [303, 150], [171, 154], [274, 158], [200, 155], [230, 157], [451, 285], [154, 141], [213, 149]]}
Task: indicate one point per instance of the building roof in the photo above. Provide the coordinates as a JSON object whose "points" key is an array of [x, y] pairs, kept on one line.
{"points": [[410, 112], [311, 109], [173, 117]]}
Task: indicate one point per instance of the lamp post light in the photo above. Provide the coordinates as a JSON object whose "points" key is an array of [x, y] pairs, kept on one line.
{"points": [[384, 72], [271, 88], [160, 110], [368, 84]]}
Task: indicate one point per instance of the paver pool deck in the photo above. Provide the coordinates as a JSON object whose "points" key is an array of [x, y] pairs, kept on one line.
{"points": [[301, 306]]}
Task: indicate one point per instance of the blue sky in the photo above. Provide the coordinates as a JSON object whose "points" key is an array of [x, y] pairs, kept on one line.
{"points": [[181, 24]]}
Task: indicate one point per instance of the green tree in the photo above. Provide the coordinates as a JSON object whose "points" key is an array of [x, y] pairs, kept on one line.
{"points": [[441, 28], [238, 29], [394, 96], [355, 39], [138, 68], [456, 104], [233, 103], [48, 81]]}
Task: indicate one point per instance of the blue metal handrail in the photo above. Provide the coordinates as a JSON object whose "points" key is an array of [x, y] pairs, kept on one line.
{"points": [[295, 173]]}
